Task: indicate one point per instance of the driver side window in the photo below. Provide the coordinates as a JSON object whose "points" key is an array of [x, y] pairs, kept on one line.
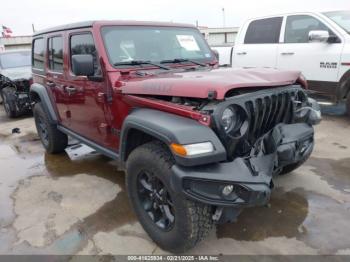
{"points": [[299, 26], [81, 44]]}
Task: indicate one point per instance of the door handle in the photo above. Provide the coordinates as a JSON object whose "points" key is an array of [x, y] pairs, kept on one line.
{"points": [[287, 53], [70, 89], [50, 84], [241, 53]]}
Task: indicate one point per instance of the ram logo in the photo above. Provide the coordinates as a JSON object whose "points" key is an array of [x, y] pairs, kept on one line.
{"points": [[328, 65]]}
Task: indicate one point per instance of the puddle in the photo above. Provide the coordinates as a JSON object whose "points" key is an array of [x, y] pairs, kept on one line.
{"points": [[14, 168], [97, 165], [335, 172], [327, 226], [283, 217]]}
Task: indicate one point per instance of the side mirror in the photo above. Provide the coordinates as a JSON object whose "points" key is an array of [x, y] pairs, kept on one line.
{"points": [[216, 53], [319, 36], [83, 65]]}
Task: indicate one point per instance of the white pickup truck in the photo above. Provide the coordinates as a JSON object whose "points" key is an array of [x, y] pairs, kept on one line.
{"points": [[318, 44]]}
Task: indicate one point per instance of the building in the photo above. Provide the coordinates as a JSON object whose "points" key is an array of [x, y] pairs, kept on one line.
{"points": [[16, 42], [220, 36]]}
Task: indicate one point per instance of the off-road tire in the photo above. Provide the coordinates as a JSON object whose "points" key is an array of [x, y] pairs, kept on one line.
{"points": [[8, 95], [54, 141], [193, 220]]}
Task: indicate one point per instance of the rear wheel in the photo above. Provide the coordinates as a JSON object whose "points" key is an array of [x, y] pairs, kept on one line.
{"points": [[52, 139], [173, 222], [9, 101]]}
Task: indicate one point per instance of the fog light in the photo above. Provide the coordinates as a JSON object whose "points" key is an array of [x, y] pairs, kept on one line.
{"points": [[227, 190]]}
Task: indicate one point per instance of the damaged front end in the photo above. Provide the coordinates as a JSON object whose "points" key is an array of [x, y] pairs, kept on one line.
{"points": [[269, 131], [15, 95]]}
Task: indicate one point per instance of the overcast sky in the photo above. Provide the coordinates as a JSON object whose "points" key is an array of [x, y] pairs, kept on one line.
{"points": [[20, 14]]}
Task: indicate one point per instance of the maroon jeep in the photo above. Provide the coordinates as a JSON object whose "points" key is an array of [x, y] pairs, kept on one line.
{"points": [[198, 143]]}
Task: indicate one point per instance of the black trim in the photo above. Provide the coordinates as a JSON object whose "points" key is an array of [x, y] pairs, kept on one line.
{"points": [[97, 147], [79, 25], [170, 128], [250, 176], [41, 91]]}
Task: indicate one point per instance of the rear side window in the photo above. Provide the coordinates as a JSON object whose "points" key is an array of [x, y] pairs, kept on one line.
{"points": [[56, 54], [299, 26], [38, 58], [82, 44], [264, 31]]}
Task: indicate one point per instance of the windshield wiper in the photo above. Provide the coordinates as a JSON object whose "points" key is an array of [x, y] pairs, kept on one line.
{"points": [[140, 62], [181, 60]]}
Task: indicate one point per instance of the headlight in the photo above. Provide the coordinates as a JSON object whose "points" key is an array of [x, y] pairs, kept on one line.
{"points": [[192, 149], [228, 118]]}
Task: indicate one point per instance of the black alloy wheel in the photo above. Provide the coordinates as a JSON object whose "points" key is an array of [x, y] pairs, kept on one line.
{"points": [[156, 200]]}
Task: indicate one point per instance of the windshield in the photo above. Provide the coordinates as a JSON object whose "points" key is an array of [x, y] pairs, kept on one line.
{"points": [[342, 18], [154, 44], [15, 59]]}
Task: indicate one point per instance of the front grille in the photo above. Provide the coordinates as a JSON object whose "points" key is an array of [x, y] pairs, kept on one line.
{"points": [[267, 111], [260, 112]]}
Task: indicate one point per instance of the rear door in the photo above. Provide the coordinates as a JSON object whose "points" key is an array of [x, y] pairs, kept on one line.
{"points": [[55, 77], [258, 47], [318, 61]]}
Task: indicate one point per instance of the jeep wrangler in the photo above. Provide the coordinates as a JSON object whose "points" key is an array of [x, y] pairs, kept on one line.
{"points": [[198, 143], [15, 80]]}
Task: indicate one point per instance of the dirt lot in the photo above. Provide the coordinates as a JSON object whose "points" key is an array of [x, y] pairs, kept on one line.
{"points": [[52, 205]]}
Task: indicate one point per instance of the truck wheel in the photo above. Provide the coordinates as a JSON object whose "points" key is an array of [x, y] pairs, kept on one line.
{"points": [[348, 105], [52, 139], [174, 223], [9, 100]]}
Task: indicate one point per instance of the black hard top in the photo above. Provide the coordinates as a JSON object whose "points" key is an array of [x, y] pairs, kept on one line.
{"points": [[65, 27], [87, 24]]}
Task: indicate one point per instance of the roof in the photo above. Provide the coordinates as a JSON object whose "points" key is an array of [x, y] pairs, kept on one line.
{"points": [[86, 24]]}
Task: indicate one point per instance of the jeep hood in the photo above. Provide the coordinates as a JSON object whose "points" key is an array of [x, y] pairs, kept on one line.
{"points": [[17, 73], [199, 83]]}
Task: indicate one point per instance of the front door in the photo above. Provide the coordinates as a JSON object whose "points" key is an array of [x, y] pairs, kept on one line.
{"points": [[318, 61], [87, 108]]}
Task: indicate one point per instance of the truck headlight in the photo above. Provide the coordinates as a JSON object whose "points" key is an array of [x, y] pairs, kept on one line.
{"points": [[228, 118]]}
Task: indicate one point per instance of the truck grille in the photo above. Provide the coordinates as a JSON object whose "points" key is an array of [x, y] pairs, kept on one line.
{"points": [[267, 111]]}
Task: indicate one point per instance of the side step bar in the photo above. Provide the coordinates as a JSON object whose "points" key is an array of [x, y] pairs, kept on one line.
{"points": [[83, 140]]}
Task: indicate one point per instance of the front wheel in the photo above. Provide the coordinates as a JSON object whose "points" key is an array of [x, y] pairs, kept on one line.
{"points": [[9, 100], [174, 223]]}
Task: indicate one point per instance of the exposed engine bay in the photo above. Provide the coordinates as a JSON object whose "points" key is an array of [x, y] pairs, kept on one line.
{"points": [[246, 115], [15, 95]]}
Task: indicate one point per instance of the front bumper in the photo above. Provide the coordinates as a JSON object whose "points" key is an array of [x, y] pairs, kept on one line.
{"points": [[250, 177]]}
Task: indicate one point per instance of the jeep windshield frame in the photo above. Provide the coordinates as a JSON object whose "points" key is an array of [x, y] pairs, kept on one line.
{"points": [[155, 44]]}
